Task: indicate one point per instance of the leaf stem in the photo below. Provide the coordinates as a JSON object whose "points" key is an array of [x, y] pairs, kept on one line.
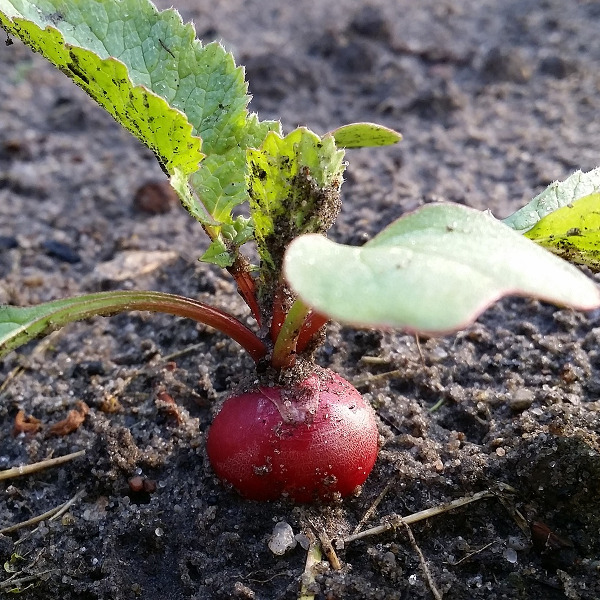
{"points": [[311, 326], [240, 271], [284, 352], [33, 321], [278, 311], [212, 316]]}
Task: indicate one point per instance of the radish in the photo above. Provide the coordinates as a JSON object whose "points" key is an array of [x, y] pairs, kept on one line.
{"points": [[312, 440], [300, 431]]}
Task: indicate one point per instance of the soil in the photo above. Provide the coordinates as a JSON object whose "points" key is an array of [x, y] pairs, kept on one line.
{"points": [[495, 101]]}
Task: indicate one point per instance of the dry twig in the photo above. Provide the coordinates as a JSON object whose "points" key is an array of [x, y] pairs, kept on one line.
{"points": [[424, 566], [468, 556], [327, 547], [39, 466], [421, 355], [12, 375], [50, 515], [14, 584], [378, 377], [393, 521], [369, 513]]}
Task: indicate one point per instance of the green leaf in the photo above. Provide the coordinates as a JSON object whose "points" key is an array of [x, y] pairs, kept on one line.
{"points": [[363, 135], [294, 187], [572, 232], [221, 183], [82, 41], [557, 195], [433, 271], [146, 68], [218, 254], [19, 325]]}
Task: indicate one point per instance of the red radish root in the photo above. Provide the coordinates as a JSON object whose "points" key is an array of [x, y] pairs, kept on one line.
{"points": [[313, 441]]}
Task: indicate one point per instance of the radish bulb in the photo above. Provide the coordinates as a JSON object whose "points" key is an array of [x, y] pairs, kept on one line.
{"points": [[314, 440]]}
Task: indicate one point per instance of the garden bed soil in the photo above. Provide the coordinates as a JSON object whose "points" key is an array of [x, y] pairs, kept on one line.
{"points": [[495, 101]]}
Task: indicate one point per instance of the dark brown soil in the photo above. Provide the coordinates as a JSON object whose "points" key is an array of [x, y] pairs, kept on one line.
{"points": [[495, 100]]}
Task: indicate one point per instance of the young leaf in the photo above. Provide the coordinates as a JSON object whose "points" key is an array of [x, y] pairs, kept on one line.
{"points": [[294, 187], [363, 135], [148, 71], [572, 232], [18, 325], [433, 271], [555, 196]]}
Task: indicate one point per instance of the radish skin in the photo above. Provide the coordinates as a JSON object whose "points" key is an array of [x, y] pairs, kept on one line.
{"points": [[315, 441]]}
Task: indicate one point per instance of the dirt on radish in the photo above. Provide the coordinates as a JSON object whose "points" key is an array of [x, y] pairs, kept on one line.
{"points": [[314, 440]]}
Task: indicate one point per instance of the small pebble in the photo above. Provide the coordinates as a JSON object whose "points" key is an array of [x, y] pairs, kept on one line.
{"points": [[61, 251], [282, 539], [521, 399], [155, 198], [506, 64], [355, 57], [88, 368], [370, 22], [510, 555], [242, 591], [136, 484], [131, 264], [558, 67], [149, 486], [303, 540], [7, 242]]}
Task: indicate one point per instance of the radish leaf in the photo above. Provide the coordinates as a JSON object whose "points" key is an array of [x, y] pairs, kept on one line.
{"points": [[294, 185], [555, 196], [572, 232], [433, 271], [362, 135], [148, 71], [70, 40]]}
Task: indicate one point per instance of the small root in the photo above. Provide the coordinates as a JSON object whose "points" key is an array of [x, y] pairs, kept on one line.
{"points": [[313, 558], [424, 567]]}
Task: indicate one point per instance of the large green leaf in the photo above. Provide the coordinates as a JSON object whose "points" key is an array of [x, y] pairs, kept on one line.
{"points": [[432, 271], [572, 232], [18, 325], [146, 68], [557, 195], [82, 41]]}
